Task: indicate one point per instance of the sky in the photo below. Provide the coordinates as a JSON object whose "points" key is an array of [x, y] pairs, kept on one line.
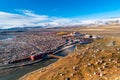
{"points": [[21, 13]]}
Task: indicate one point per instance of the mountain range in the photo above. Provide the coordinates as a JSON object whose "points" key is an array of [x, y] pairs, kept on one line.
{"points": [[95, 22]]}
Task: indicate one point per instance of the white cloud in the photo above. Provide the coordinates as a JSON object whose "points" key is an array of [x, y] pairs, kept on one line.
{"points": [[8, 20], [29, 18]]}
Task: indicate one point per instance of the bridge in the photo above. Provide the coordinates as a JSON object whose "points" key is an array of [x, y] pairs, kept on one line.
{"points": [[54, 56], [58, 57]]}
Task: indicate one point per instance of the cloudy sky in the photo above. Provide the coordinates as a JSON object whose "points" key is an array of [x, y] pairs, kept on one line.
{"points": [[23, 13]]}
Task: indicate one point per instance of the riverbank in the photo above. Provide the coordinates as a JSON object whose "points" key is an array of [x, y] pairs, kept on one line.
{"points": [[36, 72]]}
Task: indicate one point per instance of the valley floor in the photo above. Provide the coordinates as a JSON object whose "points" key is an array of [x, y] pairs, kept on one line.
{"points": [[99, 60]]}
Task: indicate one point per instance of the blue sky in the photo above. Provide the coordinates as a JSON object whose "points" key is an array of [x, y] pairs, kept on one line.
{"points": [[52, 10]]}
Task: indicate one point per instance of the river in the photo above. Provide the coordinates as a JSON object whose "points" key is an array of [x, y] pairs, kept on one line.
{"points": [[16, 73]]}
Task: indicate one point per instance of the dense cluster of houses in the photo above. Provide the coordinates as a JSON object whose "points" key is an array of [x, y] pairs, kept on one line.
{"points": [[27, 44]]}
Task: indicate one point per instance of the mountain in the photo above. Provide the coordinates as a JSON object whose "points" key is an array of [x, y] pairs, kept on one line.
{"points": [[87, 22]]}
